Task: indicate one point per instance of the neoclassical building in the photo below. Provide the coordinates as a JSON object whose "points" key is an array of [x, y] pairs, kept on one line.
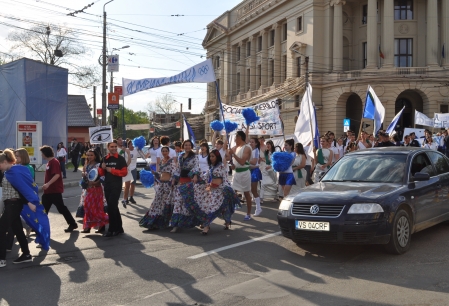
{"points": [[399, 47]]}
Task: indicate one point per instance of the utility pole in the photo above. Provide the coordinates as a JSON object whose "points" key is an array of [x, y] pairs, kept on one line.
{"points": [[103, 95], [95, 105], [182, 127]]}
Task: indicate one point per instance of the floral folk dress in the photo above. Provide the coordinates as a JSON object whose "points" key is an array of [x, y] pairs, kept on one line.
{"points": [[160, 212], [206, 204], [186, 168], [94, 215]]}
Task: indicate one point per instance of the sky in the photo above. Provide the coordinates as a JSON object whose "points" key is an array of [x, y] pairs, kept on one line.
{"points": [[160, 44]]}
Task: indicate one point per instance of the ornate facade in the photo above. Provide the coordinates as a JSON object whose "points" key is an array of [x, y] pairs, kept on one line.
{"points": [[399, 47]]}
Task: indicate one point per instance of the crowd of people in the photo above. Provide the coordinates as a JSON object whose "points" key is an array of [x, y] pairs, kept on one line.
{"points": [[193, 185]]}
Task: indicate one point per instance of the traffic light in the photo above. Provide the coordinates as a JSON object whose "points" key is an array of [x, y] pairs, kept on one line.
{"points": [[114, 122], [190, 103]]}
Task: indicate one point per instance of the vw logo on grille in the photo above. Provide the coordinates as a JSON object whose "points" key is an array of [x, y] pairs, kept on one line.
{"points": [[314, 209]]}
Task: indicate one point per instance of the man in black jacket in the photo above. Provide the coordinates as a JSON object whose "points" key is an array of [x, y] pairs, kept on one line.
{"points": [[414, 142], [75, 153]]}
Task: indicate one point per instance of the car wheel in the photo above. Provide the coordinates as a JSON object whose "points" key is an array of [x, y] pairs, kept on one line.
{"points": [[401, 234]]}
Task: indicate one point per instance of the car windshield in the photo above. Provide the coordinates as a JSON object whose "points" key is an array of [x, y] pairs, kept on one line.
{"points": [[145, 149], [368, 168]]}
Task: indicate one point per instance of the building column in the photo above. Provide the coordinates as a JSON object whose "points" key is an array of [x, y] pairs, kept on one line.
{"points": [[253, 63], [432, 33], [388, 34], [338, 35], [264, 59], [277, 52], [371, 29], [445, 29]]}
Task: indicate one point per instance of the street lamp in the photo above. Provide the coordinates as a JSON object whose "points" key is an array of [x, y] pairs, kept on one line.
{"points": [[103, 95]]}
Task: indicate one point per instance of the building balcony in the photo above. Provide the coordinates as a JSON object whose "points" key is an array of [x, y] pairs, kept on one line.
{"points": [[397, 72]]}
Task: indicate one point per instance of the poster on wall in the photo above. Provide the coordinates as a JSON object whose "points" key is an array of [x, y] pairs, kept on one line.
{"points": [[100, 134], [269, 123], [29, 137]]}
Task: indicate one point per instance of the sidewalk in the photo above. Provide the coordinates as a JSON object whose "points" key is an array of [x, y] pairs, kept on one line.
{"points": [[72, 180]]}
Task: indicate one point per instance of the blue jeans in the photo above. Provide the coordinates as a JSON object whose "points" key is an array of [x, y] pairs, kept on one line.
{"points": [[62, 163]]}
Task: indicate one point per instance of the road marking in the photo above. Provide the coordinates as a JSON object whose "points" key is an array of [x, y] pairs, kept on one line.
{"points": [[233, 246]]}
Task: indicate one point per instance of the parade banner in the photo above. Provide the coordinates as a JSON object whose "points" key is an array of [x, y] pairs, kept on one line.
{"points": [[100, 134], [441, 120], [200, 73], [269, 123], [438, 121], [422, 119]]}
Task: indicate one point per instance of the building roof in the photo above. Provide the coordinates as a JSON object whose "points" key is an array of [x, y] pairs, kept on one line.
{"points": [[79, 112]]}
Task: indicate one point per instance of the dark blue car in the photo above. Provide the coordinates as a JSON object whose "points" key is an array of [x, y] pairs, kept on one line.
{"points": [[375, 196]]}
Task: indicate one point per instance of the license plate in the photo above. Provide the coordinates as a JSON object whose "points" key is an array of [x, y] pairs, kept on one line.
{"points": [[312, 226]]}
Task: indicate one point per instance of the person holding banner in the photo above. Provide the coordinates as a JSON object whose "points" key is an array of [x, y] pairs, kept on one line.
{"points": [[160, 211], [241, 154], [187, 171]]}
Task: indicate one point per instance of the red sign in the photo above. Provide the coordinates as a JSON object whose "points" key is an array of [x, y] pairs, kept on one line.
{"points": [[151, 130], [99, 111], [113, 100], [27, 128], [178, 124], [118, 90]]}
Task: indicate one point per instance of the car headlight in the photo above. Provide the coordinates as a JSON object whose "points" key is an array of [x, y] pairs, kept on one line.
{"points": [[365, 208], [285, 205]]}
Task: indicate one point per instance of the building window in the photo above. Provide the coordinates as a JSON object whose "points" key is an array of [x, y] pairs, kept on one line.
{"points": [[217, 62], [279, 103], [297, 101], [403, 9], [172, 118], [272, 38], [248, 48], [238, 82], [284, 31], [444, 108], [284, 62], [364, 14], [403, 52], [365, 54], [299, 24], [259, 43], [298, 67], [259, 76], [248, 79], [238, 54], [272, 72]]}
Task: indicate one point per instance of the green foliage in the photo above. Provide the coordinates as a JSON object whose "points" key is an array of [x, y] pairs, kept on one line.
{"points": [[131, 117]]}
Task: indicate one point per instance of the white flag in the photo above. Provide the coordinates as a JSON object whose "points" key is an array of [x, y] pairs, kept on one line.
{"points": [[422, 119], [305, 126]]}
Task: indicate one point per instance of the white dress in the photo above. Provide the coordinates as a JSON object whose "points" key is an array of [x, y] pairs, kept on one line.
{"points": [[318, 170], [241, 180], [300, 182], [269, 185], [129, 176]]}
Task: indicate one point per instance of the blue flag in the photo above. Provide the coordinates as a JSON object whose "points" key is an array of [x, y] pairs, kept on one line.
{"points": [[189, 130], [374, 109], [393, 123], [20, 178], [316, 139]]}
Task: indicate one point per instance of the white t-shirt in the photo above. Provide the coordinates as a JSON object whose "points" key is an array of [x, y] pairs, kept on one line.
{"points": [[341, 150], [134, 156], [432, 146], [309, 159], [335, 151], [204, 166], [255, 154], [223, 155], [61, 153], [154, 154], [171, 154]]}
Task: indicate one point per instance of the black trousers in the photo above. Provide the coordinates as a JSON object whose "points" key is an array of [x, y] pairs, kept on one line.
{"points": [[56, 198], [11, 219], [112, 195], [308, 169], [75, 162]]}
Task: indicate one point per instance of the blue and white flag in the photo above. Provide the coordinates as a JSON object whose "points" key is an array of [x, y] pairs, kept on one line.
{"points": [[305, 129], [393, 123], [374, 109], [187, 131]]}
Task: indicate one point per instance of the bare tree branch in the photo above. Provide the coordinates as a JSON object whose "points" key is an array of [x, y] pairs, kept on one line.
{"points": [[164, 104]]}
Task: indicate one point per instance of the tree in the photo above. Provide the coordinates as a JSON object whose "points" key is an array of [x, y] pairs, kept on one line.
{"points": [[131, 117], [164, 104], [41, 41]]}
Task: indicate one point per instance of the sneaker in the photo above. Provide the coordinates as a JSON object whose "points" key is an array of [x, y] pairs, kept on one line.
{"points": [[247, 218], [131, 199], [2, 263], [124, 203], [257, 212], [23, 258]]}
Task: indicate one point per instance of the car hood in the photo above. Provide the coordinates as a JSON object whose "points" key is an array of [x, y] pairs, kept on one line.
{"points": [[140, 160], [344, 191]]}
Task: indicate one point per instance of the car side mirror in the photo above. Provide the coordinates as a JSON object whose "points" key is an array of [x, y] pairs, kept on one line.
{"points": [[419, 177]]}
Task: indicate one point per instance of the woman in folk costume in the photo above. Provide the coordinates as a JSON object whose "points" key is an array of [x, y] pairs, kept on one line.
{"points": [[256, 175], [324, 158], [217, 199], [187, 171], [286, 178], [20, 195], [269, 184], [94, 215], [160, 212], [298, 169]]}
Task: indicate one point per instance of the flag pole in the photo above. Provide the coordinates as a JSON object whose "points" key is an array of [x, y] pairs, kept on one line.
{"points": [[222, 113]]}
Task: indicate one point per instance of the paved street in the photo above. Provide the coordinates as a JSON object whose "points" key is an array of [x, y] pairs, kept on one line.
{"points": [[161, 268]]}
